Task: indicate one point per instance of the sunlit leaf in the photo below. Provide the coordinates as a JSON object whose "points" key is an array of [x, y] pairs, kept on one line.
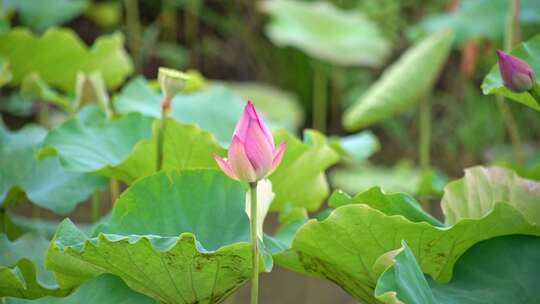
{"points": [[22, 273], [390, 204], [403, 84], [325, 32], [493, 84], [300, 179], [178, 237], [343, 247], [23, 173], [59, 54], [481, 275], [185, 146], [481, 188]]}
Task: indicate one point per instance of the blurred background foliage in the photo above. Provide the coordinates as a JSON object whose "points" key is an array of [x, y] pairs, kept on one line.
{"points": [[282, 48], [294, 59], [394, 84]]}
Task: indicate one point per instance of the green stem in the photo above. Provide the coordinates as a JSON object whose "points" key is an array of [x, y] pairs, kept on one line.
{"points": [[96, 207], [510, 39], [255, 244], [169, 17], [535, 92], [512, 30], [133, 32], [339, 79], [320, 82], [36, 213], [43, 114], [425, 133], [114, 188], [3, 220], [161, 141], [511, 128], [191, 23]]}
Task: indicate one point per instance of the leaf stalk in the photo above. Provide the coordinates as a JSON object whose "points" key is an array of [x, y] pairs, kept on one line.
{"points": [[255, 244]]}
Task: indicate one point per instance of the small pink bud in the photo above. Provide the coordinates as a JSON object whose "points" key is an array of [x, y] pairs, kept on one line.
{"points": [[252, 155], [517, 75]]}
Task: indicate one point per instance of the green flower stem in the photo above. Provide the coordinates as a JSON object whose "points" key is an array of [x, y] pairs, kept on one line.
{"points": [[133, 31], [191, 22], [535, 92], [513, 29], [255, 244], [425, 133], [3, 220], [320, 82], [339, 80], [114, 188], [161, 140], [511, 38], [511, 127], [36, 212], [44, 114], [96, 206]]}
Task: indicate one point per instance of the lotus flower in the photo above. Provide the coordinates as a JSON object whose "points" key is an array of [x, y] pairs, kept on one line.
{"points": [[517, 75], [252, 155]]}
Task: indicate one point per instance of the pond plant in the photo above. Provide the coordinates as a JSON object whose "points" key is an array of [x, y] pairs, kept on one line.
{"points": [[119, 185]]}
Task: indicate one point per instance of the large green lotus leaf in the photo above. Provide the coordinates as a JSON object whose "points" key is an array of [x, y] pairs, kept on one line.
{"points": [[481, 188], [127, 145], [59, 54], [300, 180], [344, 246], [326, 32], [280, 107], [22, 172], [39, 17], [90, 141], [528, 51], [389, 204], [22, 273], [176, 236], [500, 270], [104, 289], [186, 146], [480, 18], [403, 84]]}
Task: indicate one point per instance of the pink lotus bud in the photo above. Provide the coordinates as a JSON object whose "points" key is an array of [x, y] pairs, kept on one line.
{"points": [[252, 155], [517, 75]]}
